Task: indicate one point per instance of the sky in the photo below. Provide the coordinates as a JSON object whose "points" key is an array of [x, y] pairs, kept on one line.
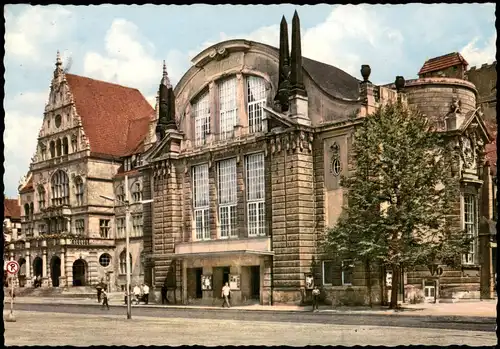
{"points": [[127, 44]]}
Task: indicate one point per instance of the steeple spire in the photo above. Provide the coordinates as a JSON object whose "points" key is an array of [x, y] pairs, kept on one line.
{"points": [[166, 119], [296, 77], [165, 80], [284, 68]]}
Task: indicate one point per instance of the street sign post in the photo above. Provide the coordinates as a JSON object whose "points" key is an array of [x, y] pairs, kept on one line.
{"points": [[12, 269]]}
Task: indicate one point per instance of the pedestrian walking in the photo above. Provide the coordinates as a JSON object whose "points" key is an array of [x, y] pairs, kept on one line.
{"points": [[105, 299], [315, 294], [99, 291], [226, 291], [137, 294], [145, 291], [164, 299]]}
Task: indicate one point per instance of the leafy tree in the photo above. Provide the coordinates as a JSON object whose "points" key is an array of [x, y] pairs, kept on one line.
{"points": [[399, 196]]}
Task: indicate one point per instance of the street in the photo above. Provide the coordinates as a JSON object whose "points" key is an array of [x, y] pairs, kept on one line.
{"points": [[81, 325]]}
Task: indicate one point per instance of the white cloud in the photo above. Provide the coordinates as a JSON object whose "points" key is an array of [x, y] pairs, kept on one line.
{"points": [[27, 34], [476, 56], [20, 135], [130, 59]]}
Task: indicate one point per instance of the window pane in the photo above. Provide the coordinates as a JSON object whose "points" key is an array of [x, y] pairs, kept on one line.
{"points": [[201, 113], [256, 94], [201, 186], [327, 273], [227, 181], [227, 107]]}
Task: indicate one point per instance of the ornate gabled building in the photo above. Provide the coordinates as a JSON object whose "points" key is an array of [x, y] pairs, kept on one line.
{"points": [[91, 131], [245, 174]]}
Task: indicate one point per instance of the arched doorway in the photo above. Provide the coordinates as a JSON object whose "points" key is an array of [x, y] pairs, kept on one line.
{"points": [[22, 272], [55, 270], [79, 272], [38, 267]]}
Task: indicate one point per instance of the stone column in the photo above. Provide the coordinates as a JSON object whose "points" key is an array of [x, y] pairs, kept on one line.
{"points": [[184, 282], [45, 280], [68, 225], [242, 117], [62, 278], [214, 120]]}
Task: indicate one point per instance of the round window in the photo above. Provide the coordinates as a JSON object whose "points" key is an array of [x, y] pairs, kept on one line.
{"points": [[336, 167], [105, 259], [58, 120]]}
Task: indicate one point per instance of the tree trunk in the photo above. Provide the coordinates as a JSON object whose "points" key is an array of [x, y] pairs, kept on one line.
{"points": [[369, 280], [394, 287], [383, 288]]}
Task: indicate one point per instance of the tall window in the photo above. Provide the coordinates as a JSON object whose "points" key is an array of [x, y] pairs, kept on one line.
{"points": [[201, 202], [79, 191], [470, 219], [347, 271], [327, 272], [60, 188], [65, 146], [104, 228], [79, 227], [201, 113], [52, 149], [120, 194], [42, 229], [227, 197], [228, 110], [120, 227], [137, 225], [256, 96], [27, 211], [58, 147], [41, 198], [255, 194], [123, 262], [136, 192], [32, 211]]}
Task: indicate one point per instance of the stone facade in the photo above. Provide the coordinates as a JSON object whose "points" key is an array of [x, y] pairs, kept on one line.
{"points": [[69, 231]]}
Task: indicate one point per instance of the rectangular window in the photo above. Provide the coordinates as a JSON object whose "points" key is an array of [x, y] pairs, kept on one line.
{"points": [[79, 227], [41, 229], [104, 227], [256, 99], [228, 110], [120, 227], [201, 113], [255, 194], [327, 272], [201, 202], [470, 218], [347, 271], [137, 225], [226, 174]]}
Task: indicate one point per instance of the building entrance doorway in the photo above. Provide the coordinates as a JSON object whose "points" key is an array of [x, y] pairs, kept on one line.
{"points": [[38, 267], [22, 272], [255, 282], [199, 273], [55, 270], [79, 272]]}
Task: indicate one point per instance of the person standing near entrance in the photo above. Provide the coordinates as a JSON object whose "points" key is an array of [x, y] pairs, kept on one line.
{"points": [[225, 294], [99, 291], [137, 294], [164, 299], [315, 294], [145, 290], [105, 299]]}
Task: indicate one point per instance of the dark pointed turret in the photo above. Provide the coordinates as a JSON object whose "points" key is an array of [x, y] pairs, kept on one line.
{"points": [[284, 68], [296, 77], [166, 119]]}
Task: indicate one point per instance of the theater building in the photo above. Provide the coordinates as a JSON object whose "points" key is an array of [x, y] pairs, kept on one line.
{"points": [[245, 174]]}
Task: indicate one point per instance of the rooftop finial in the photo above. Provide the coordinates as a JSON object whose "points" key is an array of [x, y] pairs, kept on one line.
{"points": [[165, 80], [58, 58], [58, 71]]}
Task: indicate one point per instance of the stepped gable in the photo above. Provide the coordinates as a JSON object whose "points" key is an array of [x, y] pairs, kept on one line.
{"points": [[442, 62], [115, 118], [11, 209]]}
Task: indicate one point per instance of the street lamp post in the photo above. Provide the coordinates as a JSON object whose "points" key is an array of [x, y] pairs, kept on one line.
{"points": [[126, 203]]}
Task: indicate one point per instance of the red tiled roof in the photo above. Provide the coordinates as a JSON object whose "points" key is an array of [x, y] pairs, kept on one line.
{"points": [[442, 62], [115, 118], [11, 209], [28, 186]]}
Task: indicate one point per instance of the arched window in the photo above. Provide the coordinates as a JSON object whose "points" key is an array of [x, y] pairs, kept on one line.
{"points": [[136, 192], [52, 150], [65, 146], [58, 147], [123, 263], [256, 99], [120, 194], [79, 191], [60, 188], [32, 209], [41, 197]]}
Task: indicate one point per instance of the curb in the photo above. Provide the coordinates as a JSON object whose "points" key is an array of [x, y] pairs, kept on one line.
{"points": [[435, 317]]}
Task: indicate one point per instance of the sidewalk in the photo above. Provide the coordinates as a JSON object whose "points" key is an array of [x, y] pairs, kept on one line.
{"points": [[486, 308]]}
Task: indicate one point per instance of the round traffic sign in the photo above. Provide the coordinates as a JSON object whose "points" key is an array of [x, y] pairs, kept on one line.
{"points": [[12, 267]]}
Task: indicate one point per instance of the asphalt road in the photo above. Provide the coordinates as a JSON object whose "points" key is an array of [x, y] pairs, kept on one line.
{"points": [[431, 322]]}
